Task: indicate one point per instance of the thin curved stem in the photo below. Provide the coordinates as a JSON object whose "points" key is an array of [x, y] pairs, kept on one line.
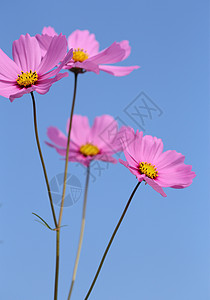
{"points": [[67, 151], [110, 241], [42, 160], [81, 233], [64, 192]]}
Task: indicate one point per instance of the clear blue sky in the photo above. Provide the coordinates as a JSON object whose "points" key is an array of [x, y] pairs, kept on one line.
{"points": [[162, 249]]}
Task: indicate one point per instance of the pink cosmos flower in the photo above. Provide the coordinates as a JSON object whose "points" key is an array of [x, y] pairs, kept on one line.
{"points": [[86, 55], [147, 161], [30, 71], [87, 143]]}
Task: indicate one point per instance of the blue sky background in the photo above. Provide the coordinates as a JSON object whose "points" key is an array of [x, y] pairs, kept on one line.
{"points": [[162, 249]]}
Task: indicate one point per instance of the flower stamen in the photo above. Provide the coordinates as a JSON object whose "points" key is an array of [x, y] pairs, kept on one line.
{"points": [[148, 169], [80, 55], [89, 150], [27, 79]]}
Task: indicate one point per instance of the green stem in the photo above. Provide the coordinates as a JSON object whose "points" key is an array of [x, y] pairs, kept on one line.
{"points": [[42, 160], [81, 234], [64, 192], [110, 241]]}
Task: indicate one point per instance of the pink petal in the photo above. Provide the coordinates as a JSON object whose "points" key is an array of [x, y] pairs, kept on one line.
{"points": [[133, 144], [86, 65], [80, 130], [150, 148], [120, 140], [73, 150], [81, 159], [179, 176], [145, 148], [26, 53], [105, 157], [76, 156], [57, 137], [125, 45], [126, 136], [43, 89], [55, 53], [124, 163], [21, 92], [131, 160], [43, 86], [110, 55], [55, 71], [169, 158], [8, 68], [117, 70], [60, 151], [155, 186], [49, 31], [8, 88], [44, 41], [50, 81], [103, 132], [134, 171], [84, 40], [87, 159]]}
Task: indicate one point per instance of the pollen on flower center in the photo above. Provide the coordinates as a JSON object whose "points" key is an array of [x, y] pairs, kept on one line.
{"points": [[148, 169], [80, 55], [89, 150], [27, 79]]}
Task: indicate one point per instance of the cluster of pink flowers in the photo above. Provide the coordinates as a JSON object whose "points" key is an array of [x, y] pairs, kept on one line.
{"points": [[37, 64], [42, 60], [144, 155], [35, 57]]}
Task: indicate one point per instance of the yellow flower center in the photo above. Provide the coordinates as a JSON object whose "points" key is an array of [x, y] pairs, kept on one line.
{"points": [[148, 169], [89, 150], [80, 55], [27, 79]]}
